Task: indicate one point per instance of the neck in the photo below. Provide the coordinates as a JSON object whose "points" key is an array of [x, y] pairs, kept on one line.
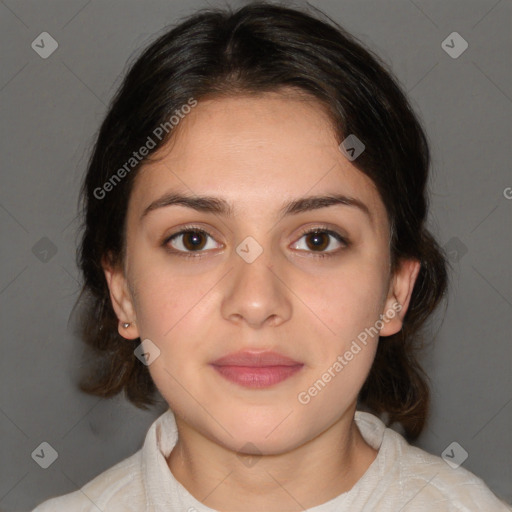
{"points": [[307, 476]]}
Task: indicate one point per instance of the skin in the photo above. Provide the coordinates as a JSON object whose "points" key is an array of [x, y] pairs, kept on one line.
{"points": [[258, 152]]}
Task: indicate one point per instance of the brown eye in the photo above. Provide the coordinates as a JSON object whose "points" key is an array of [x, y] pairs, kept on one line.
{"points": [[318, 240], [189, 241], [193, 240]]}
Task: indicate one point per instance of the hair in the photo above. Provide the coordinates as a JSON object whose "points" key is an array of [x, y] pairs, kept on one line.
{"points": [[260, 48]]}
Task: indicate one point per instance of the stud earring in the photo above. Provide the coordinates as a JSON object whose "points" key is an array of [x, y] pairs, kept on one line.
{"points": [[126, 325]]}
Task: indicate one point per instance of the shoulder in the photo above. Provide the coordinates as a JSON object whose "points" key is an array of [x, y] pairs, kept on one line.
{"points": [[128, 485], [419, 480], [120, 488], [427, 480]]}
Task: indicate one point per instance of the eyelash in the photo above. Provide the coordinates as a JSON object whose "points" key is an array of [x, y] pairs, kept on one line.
{"points": [[199, 254]]}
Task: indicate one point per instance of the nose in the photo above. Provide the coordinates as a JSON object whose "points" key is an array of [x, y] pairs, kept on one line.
{"points": [[256, 293]]}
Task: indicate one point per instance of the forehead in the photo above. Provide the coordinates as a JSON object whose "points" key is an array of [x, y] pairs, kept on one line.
{"points": [[256, 151]]}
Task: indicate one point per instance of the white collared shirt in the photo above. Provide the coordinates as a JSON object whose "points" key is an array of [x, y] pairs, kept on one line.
{"points": [[402, 477]]}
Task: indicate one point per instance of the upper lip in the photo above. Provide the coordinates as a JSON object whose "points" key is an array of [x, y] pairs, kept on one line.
{"points": [[255, 359]]}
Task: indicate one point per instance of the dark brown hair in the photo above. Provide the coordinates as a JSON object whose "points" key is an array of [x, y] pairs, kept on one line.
{"points": [[258, 48]]}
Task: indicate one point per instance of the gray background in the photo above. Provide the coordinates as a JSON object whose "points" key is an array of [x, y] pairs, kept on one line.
{"points": [[50, 111]]}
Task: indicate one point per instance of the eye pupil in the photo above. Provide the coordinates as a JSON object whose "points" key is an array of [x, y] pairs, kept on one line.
{"points": [[195, 239], [318, 243]]}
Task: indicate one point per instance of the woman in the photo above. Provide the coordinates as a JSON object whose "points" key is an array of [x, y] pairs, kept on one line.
{"points": [[255, 250]]}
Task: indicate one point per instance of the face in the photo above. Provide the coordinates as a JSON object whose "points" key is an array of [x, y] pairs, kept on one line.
{"points": [[202, 283]]}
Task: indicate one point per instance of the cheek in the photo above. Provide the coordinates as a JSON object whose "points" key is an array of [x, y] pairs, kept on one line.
{"points": [[347, 301], [162, 298], [175, 312], [171, 313], [334, 388], [349, 304]]}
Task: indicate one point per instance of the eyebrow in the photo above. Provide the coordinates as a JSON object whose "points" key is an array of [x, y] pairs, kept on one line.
{"points": [[215, 205]]}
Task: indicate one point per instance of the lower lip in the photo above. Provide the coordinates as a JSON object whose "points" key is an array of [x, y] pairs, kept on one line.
{"points": [[257, 377]]}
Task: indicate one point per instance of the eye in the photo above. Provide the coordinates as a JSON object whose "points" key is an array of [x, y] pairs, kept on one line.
{"points": [[317, 240], [189, 240]]}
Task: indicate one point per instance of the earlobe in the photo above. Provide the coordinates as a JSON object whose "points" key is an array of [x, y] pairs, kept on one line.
{"points": [[121, 300], [399, 296], [128, 330]]}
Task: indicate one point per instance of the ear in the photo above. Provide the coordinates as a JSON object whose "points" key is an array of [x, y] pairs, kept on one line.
{"points": [[399, 296], [121, 298]]}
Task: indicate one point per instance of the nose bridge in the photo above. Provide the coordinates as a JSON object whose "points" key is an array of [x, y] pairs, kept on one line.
{"points": [[255, 292]]}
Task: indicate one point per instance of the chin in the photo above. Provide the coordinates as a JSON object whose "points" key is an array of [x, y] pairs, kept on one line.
{"points": [[255, 444], [264, 437]]}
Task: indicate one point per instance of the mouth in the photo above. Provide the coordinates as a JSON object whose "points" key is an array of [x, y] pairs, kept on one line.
{"points": [[256, 369]]}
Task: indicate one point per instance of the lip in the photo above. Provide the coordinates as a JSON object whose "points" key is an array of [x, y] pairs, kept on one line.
{"points": [[256, 369]]}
